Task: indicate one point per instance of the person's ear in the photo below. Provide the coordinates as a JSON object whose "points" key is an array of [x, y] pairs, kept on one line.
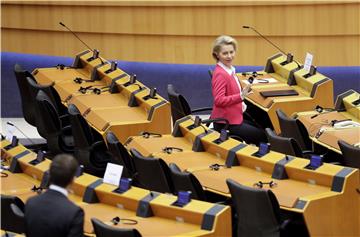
{"points": [[215, 56]]}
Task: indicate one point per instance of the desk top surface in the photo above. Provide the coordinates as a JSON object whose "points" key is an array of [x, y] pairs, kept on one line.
{"points": [[330, 135]]}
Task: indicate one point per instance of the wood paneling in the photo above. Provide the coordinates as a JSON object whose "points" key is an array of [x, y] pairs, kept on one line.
{"points": [[183, 31]]}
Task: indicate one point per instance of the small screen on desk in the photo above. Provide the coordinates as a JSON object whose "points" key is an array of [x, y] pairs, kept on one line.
{"points": [[263, 148], [125, 184], [197, 121], [14, 141], [224, 135], [184, 197], [40, 156], [315, 161]]}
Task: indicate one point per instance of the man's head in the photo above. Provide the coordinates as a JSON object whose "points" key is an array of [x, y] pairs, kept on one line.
{"points": [[62, 170]]}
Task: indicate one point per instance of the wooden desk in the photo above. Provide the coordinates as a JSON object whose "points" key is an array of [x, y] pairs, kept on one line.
{"points": [[312, 91], [150, 226], [126, 112], [85, 102], [156, 144], [173, 221], [305, 191], [314, 121]]}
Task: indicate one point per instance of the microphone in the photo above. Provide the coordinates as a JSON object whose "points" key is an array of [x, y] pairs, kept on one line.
{"points": [[289, 56], [321, 110], [95, 51]]}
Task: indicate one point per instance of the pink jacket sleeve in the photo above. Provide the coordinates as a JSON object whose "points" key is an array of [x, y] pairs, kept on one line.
{"points": [[219, 86]]}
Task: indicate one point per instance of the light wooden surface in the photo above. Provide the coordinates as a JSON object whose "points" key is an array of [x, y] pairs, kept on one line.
{"points": [[304, 101], [183, 31], [174, 221], [108, 112], [330, 136], [313, 187]]}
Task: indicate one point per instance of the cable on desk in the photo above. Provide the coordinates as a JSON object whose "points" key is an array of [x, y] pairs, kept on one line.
{"points": [[116, 220], [313, 129]]}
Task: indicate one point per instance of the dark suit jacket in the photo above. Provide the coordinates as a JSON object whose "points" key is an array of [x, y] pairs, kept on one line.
{"points": [[53, 214]]}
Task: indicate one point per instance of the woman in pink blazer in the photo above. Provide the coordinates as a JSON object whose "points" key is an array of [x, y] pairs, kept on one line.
{"points": [[228, 94]]}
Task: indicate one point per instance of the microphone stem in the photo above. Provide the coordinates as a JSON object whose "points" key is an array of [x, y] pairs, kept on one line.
{"points": [[268, 40], [76, 36], [28, 138]]}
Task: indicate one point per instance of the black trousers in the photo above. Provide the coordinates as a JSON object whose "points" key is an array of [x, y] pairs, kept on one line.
{"points": [[247, 131]]}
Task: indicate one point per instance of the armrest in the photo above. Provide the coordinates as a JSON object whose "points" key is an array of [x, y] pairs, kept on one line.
{"points": [[67, 131], [42, 87], [308, 153], [201, 109], [65, 119], [284, 224], [98, 144], [64, 116], [225, 202], [237, 138]]}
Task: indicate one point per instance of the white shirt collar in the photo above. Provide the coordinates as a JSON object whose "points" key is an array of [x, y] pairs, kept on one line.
{"points": [[230, 71], [59, 189]]}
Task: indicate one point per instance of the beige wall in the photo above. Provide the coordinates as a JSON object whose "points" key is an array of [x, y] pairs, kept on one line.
{"points": [[183, 31]]}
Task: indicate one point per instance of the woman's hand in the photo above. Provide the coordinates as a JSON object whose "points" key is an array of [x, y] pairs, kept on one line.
{"points": [[246, 91]]}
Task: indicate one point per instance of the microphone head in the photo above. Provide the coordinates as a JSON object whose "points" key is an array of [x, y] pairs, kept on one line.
{"points": [[62, 24], [11, 124], [246, 27]]}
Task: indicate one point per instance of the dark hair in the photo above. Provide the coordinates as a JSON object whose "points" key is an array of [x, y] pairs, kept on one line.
{"points": [[62, 170]]}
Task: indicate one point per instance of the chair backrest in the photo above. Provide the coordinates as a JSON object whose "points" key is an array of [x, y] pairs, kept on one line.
{"points": [[120, 154], [257, 209], [11, 221], [295, 129], [81, 130], [103, 230], [283, 145], [179, 106], [48, 122], [49, 90], [27, 100], [351, 154], [152, 173], [185, 181]]}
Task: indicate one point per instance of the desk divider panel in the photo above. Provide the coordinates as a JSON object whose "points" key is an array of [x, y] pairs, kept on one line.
{"points": [[350, 107], [277, 62]]}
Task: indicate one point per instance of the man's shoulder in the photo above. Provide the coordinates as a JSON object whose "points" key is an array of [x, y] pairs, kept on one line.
{"points": [[53, 197]]}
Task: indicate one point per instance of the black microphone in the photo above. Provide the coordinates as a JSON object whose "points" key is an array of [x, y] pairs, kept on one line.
{"points": [[321, 110], [95, 51], [289, 56]]}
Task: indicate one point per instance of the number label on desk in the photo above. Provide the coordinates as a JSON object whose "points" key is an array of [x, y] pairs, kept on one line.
{"points": [[312, 181], [179, 219]]}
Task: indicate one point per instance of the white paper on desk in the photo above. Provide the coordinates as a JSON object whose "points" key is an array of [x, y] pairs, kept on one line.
{"points": [[261, 81], [113, 174], [308, 62], [9, 133]]}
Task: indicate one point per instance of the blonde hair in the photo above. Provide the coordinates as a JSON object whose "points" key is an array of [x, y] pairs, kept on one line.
{"points": [[221, 41]]}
